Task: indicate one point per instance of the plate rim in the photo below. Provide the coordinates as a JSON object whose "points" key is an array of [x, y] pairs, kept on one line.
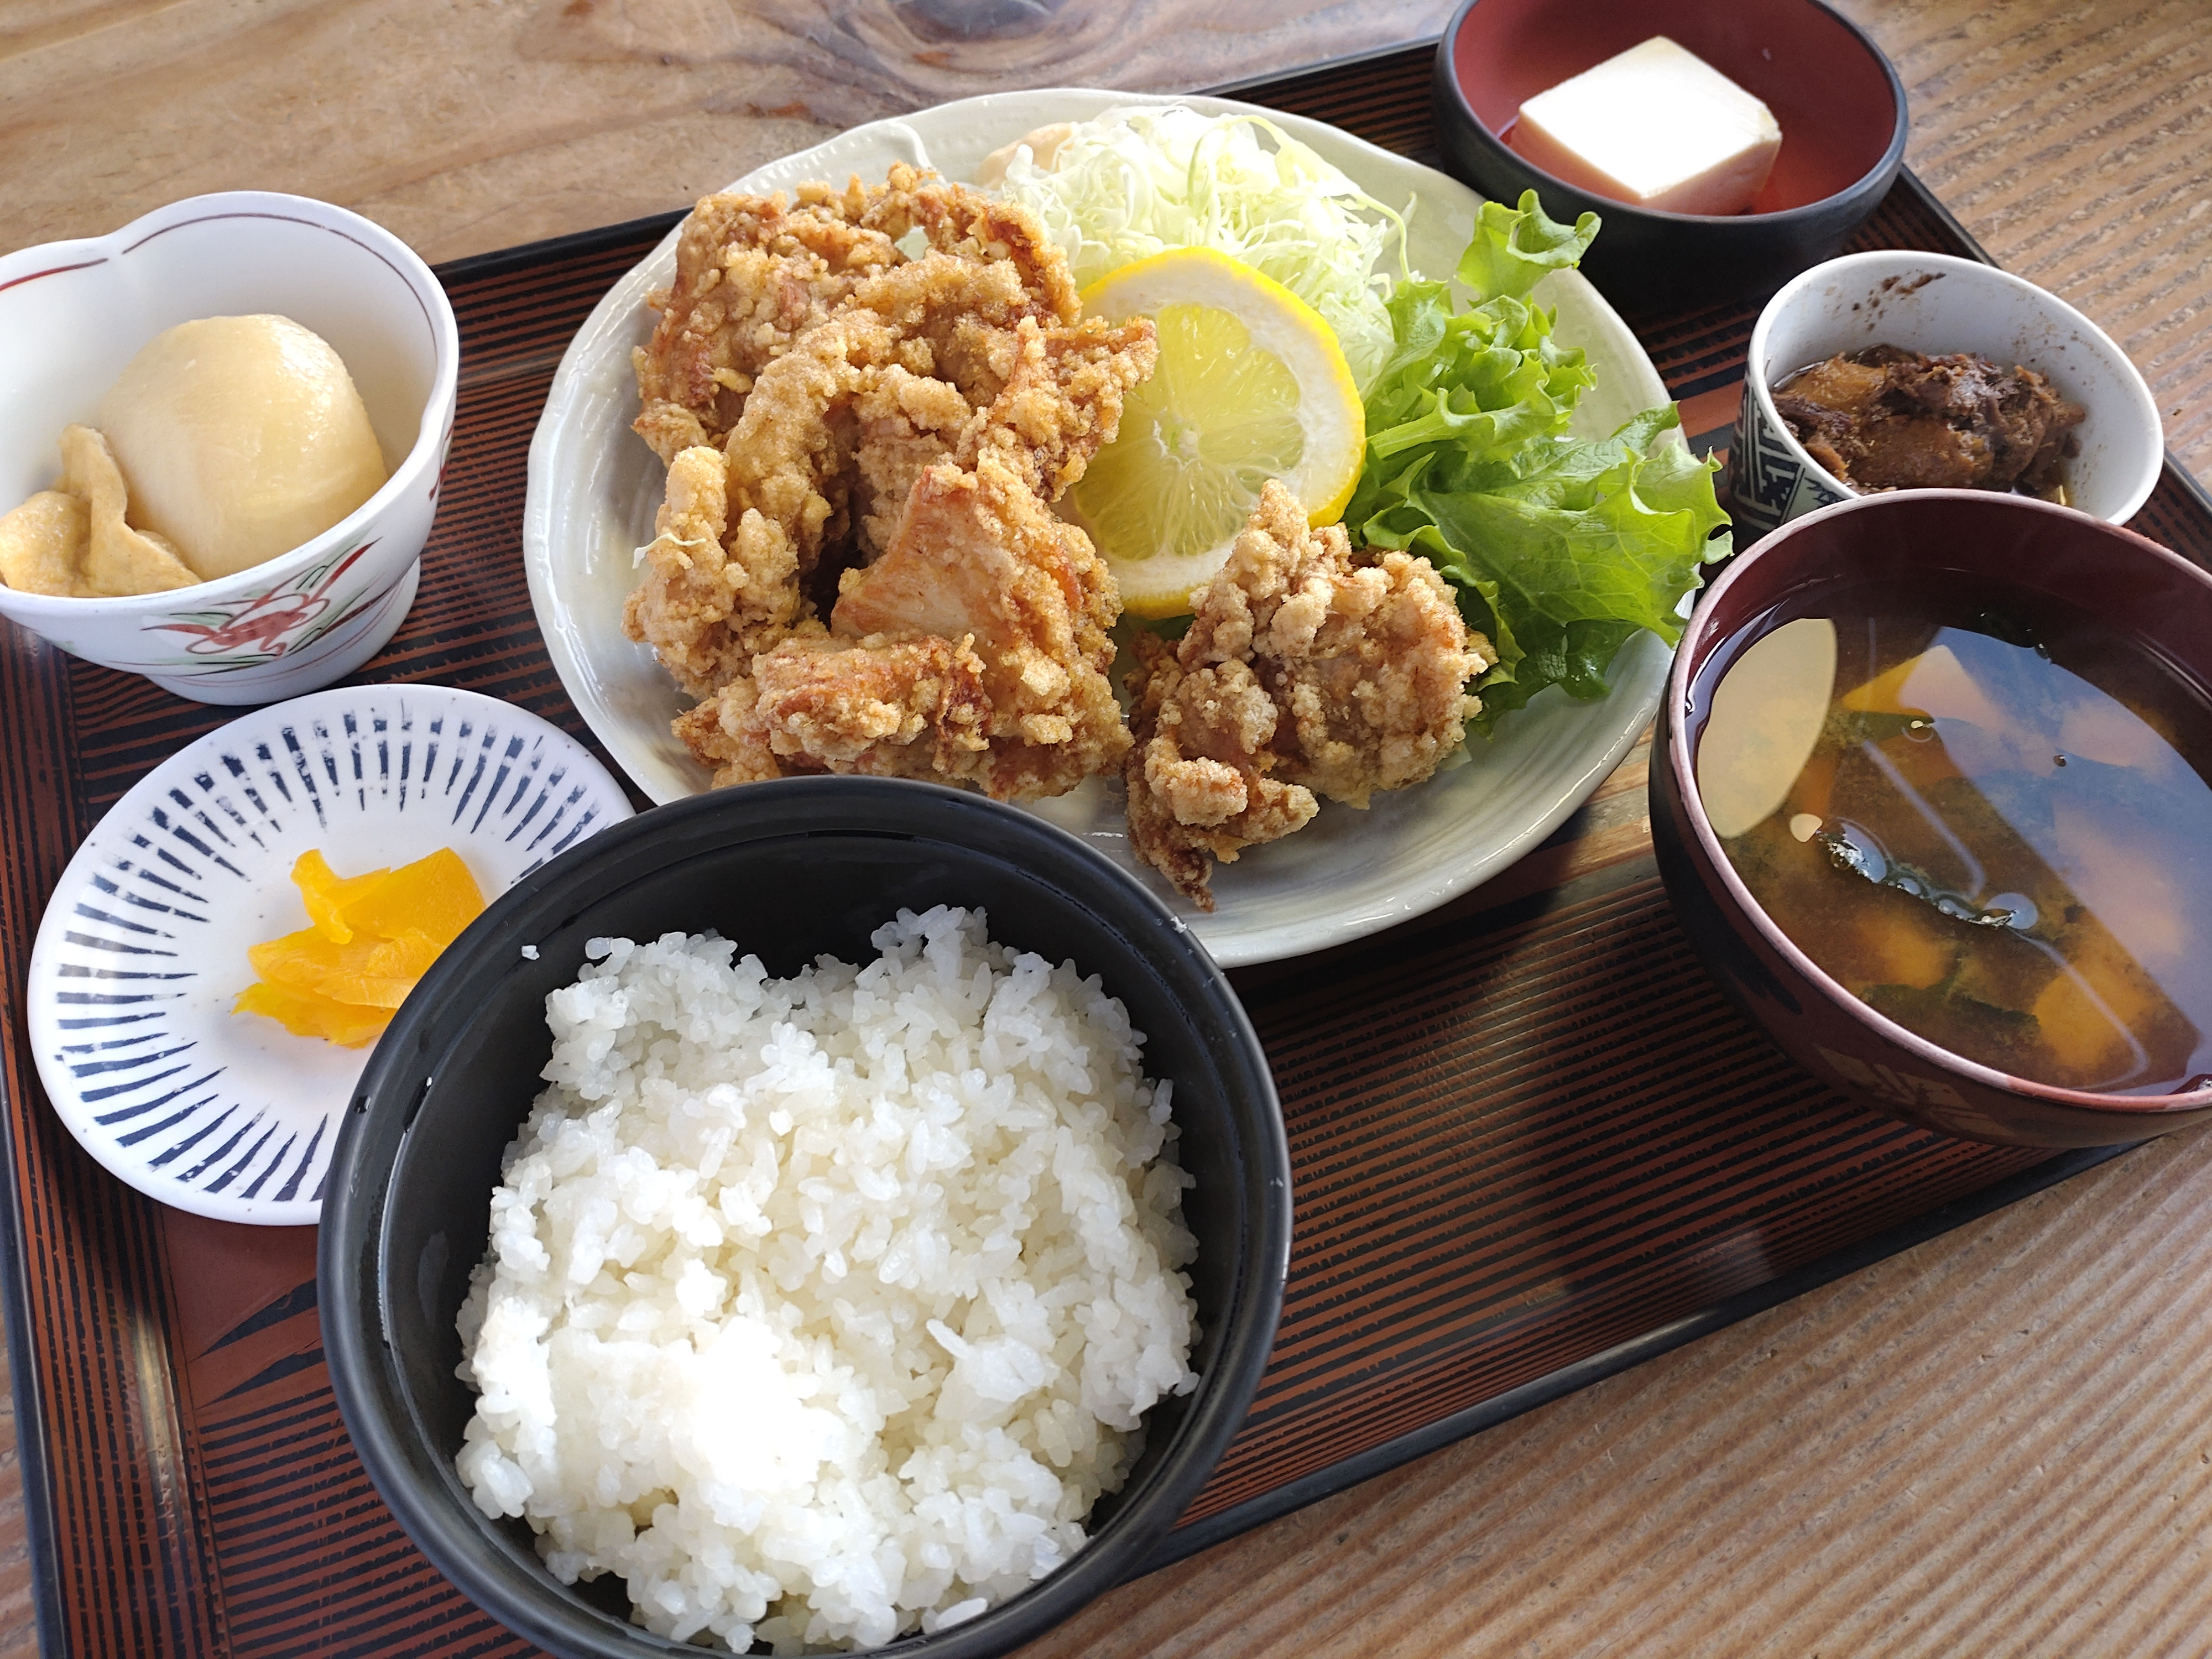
{"points": [[1638, 680], [65, 1101]]}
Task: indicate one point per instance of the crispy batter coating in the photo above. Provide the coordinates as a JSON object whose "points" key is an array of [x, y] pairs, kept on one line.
{"points": [[979, 557], [1199, 777], [974, 651], [753, 273], [900, 446], [722, 732], [822, 704], [1368, 662], [1304, 673], [981, 229], [1044, 398], [838, 425], [713, 596]]}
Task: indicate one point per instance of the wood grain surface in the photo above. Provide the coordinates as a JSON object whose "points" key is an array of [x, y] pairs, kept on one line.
{"points": [[1995, 1443], [2073, 137], [1998, 1443]]}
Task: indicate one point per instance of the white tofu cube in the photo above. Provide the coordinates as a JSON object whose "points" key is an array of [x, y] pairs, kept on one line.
{"points": [[1657, 127]]}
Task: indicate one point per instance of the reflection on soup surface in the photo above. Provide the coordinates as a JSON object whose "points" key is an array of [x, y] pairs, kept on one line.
{"points": [[1987, 824]]}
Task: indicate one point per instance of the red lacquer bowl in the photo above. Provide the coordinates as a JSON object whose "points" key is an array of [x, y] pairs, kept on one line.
{"points": [[1839, 102], [2109, 574]]}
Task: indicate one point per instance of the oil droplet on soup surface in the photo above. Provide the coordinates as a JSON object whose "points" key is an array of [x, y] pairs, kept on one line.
{"points": [[2002, 843]]}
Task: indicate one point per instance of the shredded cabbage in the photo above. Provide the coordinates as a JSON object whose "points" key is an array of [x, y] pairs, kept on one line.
{"points": [[1139, 181]]}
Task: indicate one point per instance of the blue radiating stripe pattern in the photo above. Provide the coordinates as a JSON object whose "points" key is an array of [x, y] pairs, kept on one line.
{"points": [[128, 956]]}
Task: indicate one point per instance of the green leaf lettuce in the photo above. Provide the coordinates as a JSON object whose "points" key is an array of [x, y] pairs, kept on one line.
{"points": [[1561, 549]]}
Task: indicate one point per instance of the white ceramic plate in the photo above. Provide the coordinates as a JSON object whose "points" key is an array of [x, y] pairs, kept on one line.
{"points": [[594, 487], [142, 946]]}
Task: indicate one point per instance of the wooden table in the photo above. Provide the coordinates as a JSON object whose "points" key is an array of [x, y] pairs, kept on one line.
{"points": [[1997, 1442]]}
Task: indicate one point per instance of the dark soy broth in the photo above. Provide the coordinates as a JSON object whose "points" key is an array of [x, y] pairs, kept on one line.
{"points": [[1983, 818]]}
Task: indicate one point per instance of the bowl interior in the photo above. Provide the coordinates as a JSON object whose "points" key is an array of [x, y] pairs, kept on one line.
{"points": [[2065, 559], [1936, 304], [1830, 92], [463, 1079], [66, 333], [2058, 569]]}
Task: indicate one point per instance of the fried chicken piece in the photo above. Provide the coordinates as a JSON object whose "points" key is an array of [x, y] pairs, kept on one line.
{"points": [[981, 229], [722, 732], [742, 531], [1046, 398], [753, 273], [1198, 775], [896, 427], [849, 417], [712, 597], [1368, 662], [1062, 396], [820, 704], [978, 554], [974, 651], [1363, 669]]}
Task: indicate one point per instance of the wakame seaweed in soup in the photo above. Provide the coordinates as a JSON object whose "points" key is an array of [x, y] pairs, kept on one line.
{"points": [[1985, 819]]}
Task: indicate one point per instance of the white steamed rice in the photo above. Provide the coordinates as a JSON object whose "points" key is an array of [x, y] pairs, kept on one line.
{"points": [[822, 1308]]}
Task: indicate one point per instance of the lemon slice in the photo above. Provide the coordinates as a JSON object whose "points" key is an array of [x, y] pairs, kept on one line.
{"points": [[1251, 386]]}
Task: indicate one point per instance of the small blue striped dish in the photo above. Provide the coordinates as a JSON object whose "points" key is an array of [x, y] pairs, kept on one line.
{"points": [[142, 947]]}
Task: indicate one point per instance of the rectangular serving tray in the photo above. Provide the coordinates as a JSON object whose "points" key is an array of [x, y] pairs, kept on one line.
{"points": [[1531, 1143]]}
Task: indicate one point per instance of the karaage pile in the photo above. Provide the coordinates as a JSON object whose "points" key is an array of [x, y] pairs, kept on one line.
{"points": [[856, 568], [868, 401]]}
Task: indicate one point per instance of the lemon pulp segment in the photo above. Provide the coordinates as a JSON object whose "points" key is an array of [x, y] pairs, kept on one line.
{"points": [[1217, 419], [1251, 386]]}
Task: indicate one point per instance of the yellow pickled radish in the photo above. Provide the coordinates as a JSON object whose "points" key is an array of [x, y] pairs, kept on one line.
{"points": [[327, 893], [373, 972], [435, 896], [309, 1013], [372, 937]]}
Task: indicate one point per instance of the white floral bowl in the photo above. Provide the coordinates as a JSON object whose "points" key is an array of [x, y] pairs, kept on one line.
{"points": [[1937, 303], [72, 314]]}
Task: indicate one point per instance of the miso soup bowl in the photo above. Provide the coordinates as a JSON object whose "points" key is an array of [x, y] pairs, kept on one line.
{"points": [[2113, 576], [787, 870], [72, 314]]}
